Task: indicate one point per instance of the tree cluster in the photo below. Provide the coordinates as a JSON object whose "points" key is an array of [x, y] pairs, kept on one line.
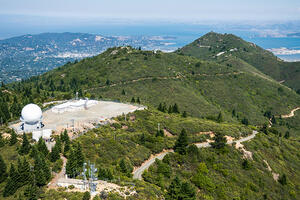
{"points": [[180, 191], [171, 109], [75, 161]]}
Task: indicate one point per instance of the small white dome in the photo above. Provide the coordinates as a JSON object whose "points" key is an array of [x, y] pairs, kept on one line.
{"points": [[31, 114]]}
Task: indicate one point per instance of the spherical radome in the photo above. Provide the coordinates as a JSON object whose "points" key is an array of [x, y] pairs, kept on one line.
{"points": [[31, 113]]}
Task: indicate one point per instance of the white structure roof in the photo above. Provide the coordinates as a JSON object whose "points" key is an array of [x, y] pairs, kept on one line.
{"points": [[31, 114]]}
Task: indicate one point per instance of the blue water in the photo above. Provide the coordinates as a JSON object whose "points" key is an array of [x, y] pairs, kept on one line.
{"points": [[183, 33]]}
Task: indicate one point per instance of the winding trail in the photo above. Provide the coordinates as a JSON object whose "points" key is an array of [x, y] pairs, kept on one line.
{"points": [[137, 173], [291, 114], [61, 174]]}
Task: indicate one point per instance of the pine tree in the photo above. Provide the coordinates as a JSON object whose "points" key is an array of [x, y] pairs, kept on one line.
{"points": [[175, 108], [123, 166], [143, 139], [159, 133], [138, 100], [24, 172], [13, 138], [174, 189], [58, 144], [34, 152], [282, 179], [3, 173], [25, 147], [132, 100], [287, 135], [181, 143], [54, 154], [66, 147], [71, 164], [219, 141], [123, 92], [31, 192], [160, 108], [86, 196], [12, 182], [41, 170], [245, 121], [79, 157], [187, 192], [170, 110], [184, 114], [41, 146], [220, 117]]}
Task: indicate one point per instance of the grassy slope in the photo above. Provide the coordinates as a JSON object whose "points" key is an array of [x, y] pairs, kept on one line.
{"points": [[227, 179], [201, 88], [263, 60]]}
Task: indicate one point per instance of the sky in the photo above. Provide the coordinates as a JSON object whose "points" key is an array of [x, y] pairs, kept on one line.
{"points": [[171, 10]]}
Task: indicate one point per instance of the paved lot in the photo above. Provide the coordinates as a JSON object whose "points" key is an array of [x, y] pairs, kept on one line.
{"points": [[86, 117]]}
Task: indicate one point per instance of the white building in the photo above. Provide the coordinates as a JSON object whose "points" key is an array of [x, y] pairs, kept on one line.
{"points": [[31, 118], [44, 134]]}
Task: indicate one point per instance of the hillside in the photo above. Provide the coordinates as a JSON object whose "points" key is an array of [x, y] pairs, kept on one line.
{"points": [[214, 46], [202, 88], [191, 100]]}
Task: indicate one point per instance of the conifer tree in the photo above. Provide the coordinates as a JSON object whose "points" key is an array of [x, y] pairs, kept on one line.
{"points": [[54, 154], [219, 141], [66, 147], [3, 173], [173, 191], [123, 92], [41, 170], [245, 121], [24, 172], [175, 108], [41, 146], [220, 117], [170, 110], [184, 114], [13, 138], [160, 108], [25, 147], [58, 144], [132, 100], [123, 166], [79, 157], [181, 143], [187, 192], [143, 139], [31, 192], [86, 196], [287, 135], [34, 152], [160, 133], [71, 164], [138, 100], [12, 182]]}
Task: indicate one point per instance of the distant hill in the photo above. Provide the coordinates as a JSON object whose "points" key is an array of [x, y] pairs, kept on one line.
{"points": [[220, 47], [293, 35], [29, 55], [202, 88]]}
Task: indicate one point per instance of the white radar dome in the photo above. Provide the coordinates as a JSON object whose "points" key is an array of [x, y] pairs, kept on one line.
{"points": [[31, 114]]}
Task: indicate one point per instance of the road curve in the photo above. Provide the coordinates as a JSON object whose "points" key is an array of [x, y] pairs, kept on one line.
{"points": [[137, 174]]}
